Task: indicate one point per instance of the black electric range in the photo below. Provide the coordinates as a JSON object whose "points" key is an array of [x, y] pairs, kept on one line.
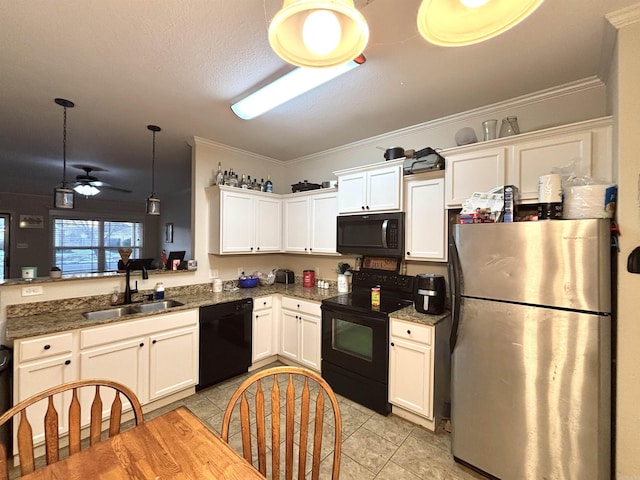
{"points": [[355, 336]]}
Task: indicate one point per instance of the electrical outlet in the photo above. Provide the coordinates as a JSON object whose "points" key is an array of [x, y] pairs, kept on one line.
{"points": [[214, 273], [317, 270], [31, 291], [240, 271]]}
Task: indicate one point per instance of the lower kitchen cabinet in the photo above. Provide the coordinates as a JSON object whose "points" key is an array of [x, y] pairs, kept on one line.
{"points": [[301, 332], [42, 363], [264, 330], [419, 370], [155, 356]]}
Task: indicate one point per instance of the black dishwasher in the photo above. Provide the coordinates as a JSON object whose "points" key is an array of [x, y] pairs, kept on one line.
{"points": [[225, 341]]}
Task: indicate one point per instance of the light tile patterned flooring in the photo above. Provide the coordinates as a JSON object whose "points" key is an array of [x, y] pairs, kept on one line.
{"points": [[373, 447]]}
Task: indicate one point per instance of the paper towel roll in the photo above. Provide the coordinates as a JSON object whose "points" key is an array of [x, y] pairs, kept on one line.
{"points": [[589, 201], [550, 188]]}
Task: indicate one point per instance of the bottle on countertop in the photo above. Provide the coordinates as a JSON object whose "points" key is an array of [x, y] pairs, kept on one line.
{"points": [[268, 186], [225, 179], [158, 291], [219, 175], [233, 180], [262, 185], [243, 182]]}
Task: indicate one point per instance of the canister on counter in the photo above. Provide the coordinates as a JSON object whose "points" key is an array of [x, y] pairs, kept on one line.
{"points": [[509, 210], [375, 296], [308, 278]]}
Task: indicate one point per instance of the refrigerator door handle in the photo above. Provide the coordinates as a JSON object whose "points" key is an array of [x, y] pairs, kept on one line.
{"points": [[453, 268]]}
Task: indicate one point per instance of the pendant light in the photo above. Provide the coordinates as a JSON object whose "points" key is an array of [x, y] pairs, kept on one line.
{"points": [[453, 23], [153, 204], [63, 195], [318, 33]]}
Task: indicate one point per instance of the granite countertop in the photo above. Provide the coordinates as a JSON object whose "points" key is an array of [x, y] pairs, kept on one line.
{"points": [[30, 320], [410, 314]]}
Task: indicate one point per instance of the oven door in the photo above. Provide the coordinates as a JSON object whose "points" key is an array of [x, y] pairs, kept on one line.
{"points": [[356, 342]]}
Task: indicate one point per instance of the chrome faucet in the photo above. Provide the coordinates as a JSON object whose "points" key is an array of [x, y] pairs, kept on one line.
{"points": [[132, 265]]}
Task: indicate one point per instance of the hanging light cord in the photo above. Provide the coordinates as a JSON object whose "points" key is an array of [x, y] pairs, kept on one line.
{"points": [[153, 164], [64, 148]]}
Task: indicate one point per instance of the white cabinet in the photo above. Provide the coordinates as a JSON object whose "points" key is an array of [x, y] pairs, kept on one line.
{"points": [[244, 221], [155, 356], [264, 330], [585, 147], [373, 188], [410, 367], [300, 338], [419, 369], [426, 217], [310, 222], [41, 363], [477, 171]]}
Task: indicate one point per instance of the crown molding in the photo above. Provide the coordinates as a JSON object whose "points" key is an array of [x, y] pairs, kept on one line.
{"points": [[195, 141], [624, 16], [482, 112]]}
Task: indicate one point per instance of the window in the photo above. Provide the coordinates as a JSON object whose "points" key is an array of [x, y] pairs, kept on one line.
{"points": [[87, 246]]}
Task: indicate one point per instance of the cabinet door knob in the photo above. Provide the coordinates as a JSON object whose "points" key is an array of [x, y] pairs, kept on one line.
{"points": [[154, 342], [47, 347], [409, 332], [408, 253], [367, 207], [258, 248], [252, 249], [142, 344], [393, 344], [305, 249], [264, 303], [67, 362], [362, 207], [310, 249]]}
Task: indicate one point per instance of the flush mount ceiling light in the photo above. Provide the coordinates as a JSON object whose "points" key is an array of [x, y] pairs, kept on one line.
{"points": [[453, 23], [153, 204], [62, 194], [318, 33], [294, 83]]}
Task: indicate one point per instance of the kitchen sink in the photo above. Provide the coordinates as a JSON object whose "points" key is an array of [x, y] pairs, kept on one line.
{"points": [[118, 312], [110, 313], [155, 306]]}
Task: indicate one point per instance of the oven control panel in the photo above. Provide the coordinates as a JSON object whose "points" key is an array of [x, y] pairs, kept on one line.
{"points": [[365, 280]]}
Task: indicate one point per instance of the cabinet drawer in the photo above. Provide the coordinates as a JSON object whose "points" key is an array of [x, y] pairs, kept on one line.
{"points": [[261, 303], [135, 328], [301, 306], [46, 346], [412, 331]]}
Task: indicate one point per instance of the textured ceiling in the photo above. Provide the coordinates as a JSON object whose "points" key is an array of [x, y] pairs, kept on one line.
{"points": [[180, 64]]}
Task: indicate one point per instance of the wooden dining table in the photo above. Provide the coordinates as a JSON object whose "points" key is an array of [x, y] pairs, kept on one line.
{"points": [[175, 445]]}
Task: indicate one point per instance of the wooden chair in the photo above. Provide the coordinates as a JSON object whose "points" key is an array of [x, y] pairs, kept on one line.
{"points": [[309, 381], [52, 447]]}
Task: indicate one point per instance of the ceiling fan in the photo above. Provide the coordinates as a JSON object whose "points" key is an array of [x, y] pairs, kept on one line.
{"points": [[89, 185]]}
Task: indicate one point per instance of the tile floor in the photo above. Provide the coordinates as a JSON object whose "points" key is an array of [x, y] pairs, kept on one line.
{"points": [[373, 447]]}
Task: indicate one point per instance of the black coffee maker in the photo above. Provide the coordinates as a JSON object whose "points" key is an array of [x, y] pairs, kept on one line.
{"points": [[430, 293]]}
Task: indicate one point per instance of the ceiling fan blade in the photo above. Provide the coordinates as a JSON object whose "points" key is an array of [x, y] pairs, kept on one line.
{"points": [[117, 189]]}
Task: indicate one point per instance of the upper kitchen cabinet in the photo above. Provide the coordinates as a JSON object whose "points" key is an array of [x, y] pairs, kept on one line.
{"points": [[310, 222], [426, 217], [373, 188], [244, 221], [583, 149]]}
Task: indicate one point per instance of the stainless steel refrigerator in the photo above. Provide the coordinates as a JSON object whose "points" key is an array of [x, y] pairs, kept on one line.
{"points": [[531, 345]]}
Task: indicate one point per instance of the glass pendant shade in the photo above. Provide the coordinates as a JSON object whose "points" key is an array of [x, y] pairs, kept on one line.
{"points": [[153, 204], [318, 33], [63, 196], [453, 23]]}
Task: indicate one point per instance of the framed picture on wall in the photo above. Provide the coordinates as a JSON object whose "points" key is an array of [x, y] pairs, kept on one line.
{"points": [[168, 232], [31, 221]]}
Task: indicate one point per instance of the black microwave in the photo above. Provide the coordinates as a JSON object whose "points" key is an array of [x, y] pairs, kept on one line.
{"points": [[373, 234]]}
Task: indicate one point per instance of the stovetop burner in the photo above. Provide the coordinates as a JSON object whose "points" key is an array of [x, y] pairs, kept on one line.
{"points": [[396, 292]]}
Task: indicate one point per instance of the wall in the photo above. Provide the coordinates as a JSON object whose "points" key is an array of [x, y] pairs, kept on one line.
{"points": [[561, 105], [175, 208], [627, 73], [32, 246]]}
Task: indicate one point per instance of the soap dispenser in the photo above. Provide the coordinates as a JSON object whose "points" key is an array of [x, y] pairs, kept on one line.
{"points": [[115, 296], [158, 292]]}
